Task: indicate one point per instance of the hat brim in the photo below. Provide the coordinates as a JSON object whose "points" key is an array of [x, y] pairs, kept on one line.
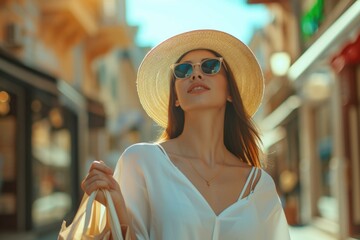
{"points": [[154, 74]]}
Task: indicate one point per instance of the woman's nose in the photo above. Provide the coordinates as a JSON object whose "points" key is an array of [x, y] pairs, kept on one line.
{"points": [[197, 73], [196, 76]]}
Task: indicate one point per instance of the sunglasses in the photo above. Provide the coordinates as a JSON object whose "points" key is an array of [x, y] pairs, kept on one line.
{"points": [[209, 66]]}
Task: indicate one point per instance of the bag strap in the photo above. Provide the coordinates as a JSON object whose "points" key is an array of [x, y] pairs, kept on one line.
{"points": [[111, 215], [114, 219], [88, 210]]}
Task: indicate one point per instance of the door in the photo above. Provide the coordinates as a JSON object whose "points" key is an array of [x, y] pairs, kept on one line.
{"points": [[11, 141]]}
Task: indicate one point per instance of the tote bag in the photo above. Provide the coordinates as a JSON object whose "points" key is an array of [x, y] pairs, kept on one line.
{"points": [[93, 221]]}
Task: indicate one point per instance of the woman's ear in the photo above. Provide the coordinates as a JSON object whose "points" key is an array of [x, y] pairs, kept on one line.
{"points": [[177, 104]]}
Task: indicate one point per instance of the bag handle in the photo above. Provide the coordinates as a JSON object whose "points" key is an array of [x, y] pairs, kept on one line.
{"points": [[114, 219], [111, 214]]}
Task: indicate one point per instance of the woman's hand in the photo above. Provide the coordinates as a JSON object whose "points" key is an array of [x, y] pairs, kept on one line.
{"points": [[100, 176]]}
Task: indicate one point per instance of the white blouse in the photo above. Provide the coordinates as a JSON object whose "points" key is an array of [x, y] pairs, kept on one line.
{"points": [[164, 205]]}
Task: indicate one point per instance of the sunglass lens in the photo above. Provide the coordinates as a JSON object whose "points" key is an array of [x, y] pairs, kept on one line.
{"points": [[211, 66], [183, 70]]}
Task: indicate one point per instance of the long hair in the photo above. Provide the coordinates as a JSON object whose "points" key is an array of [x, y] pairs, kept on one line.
{"points": [[241, 137]]}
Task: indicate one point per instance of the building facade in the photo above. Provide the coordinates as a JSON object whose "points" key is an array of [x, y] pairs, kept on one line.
{"points": [[67, 97], [310, 118]]}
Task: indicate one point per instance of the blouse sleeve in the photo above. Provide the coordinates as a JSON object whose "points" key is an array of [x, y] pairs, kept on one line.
{"points": [[129, 175], [275, 223]]}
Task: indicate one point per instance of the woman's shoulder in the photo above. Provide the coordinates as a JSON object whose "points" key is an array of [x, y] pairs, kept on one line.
{"points": [[266, 189], [266, 196], [266, 176], [266, 182], [141, 146], [140, 150], [137, 156]]}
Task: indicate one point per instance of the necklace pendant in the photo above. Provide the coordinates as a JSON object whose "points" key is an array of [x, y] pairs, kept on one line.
{"points": [[208, 183]]}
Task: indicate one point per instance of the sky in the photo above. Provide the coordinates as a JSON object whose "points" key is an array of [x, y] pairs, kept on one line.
{"points": [[160, 19]]}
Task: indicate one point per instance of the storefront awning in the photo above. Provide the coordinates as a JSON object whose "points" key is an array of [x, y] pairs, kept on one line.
{"points": [[27, 74]]}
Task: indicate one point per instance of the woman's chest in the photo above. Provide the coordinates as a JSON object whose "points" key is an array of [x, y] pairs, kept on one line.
{"points": [[186, 211], [175, 194], [219, 187]]}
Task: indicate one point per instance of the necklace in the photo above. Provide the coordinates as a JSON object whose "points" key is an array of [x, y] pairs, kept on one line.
{"points": [[208, 181]]}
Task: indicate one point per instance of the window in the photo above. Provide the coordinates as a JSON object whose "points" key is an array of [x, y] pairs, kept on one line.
{"points": [[51, 163]]}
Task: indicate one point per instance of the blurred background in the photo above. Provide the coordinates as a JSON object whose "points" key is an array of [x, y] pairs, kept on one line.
{"points": [[68, 96]]}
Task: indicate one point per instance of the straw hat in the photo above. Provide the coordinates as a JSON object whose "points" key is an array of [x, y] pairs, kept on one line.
{"points": [[154, 74]]}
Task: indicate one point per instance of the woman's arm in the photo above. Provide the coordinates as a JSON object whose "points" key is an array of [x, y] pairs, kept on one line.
{"points": [[130, 174], [270, 208]]}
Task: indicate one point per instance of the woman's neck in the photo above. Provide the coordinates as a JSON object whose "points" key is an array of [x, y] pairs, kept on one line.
{"points": [[203, 136]]}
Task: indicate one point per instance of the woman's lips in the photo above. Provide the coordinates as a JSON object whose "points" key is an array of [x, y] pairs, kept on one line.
{"points": [[198, 88]]}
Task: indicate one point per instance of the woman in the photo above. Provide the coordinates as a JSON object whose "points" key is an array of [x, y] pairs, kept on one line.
{"points": [[203, 179]]}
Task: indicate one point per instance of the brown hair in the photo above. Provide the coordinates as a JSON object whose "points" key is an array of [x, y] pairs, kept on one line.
{"points": [[240, 134]]}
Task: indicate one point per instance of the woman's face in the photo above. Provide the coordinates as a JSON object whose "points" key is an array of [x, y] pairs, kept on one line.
{"points": [[200, 90]]}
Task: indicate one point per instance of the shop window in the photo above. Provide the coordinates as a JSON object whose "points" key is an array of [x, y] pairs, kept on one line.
{"points": [[51, 163]]}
